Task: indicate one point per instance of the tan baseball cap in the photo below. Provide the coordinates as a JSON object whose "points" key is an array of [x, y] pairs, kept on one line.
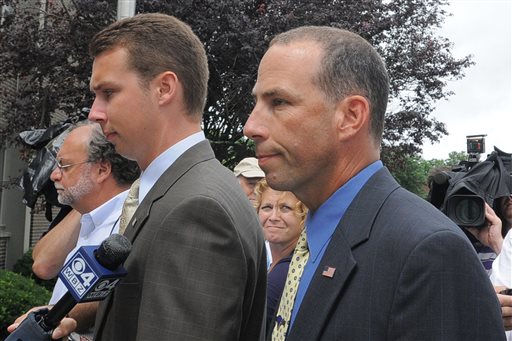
{"points": [[249, 168]]}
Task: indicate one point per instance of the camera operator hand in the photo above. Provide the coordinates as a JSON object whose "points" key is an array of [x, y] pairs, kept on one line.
{"points": [[490, 235]]}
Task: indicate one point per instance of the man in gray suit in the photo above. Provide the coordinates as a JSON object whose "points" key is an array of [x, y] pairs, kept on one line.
{"points": [[383, 263], [197, 267]]}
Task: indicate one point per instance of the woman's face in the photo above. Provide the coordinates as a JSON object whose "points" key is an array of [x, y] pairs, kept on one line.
{"points": [[280, 220]]}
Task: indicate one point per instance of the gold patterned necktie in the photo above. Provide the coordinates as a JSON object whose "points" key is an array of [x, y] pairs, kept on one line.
{"points": [[299, 260], [129, 206]]}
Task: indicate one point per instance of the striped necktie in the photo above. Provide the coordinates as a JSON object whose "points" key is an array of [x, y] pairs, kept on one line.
{"points": [[129, 206]]}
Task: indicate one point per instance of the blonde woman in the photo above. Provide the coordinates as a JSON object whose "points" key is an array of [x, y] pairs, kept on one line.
{"points": [[282, 216]]}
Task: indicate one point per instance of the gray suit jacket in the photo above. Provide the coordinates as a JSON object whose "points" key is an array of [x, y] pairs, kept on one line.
{"points": [[403, 272], [197, 269]]}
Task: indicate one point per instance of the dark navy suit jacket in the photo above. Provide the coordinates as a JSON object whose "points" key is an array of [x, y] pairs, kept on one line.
{"points": [[404, 271]]}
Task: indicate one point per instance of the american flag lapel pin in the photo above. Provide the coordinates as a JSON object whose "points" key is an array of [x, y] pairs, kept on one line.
{"points": [[328, 271]]}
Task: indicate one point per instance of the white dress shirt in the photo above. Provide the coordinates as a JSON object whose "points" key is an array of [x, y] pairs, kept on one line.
{"points": [[95, 227]]}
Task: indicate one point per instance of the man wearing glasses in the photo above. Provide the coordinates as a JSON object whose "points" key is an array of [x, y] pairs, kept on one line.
{"points": [[93, 179]]}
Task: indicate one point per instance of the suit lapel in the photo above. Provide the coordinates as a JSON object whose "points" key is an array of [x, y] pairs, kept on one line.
{"points": [[324, 292], [198, 153]]}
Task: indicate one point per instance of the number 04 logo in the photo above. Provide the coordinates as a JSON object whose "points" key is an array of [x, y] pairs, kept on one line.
{"points": [[106, 285], [78, 266]]}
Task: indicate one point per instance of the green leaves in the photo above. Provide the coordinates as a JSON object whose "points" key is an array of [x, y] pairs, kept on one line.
{"points": [[47, 49], [17, 296]]}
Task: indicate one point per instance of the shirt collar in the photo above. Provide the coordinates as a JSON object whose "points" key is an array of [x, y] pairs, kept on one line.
{"points": [[163, 161], [323, 222], [102, 214]]}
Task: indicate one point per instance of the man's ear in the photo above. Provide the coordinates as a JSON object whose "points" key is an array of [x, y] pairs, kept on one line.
{"points": [[103, 171], [353, 114], [167, 83]]}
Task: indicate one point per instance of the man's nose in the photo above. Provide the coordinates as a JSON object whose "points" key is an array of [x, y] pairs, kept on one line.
{"points": [[97, 112], [55, 175], [252, 128]]}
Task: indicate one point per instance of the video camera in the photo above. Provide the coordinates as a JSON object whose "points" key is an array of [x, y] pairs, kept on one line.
{"points": [[462, 192]]}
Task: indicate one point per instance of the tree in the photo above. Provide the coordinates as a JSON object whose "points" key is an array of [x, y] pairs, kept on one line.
{"points": [[53, 59], [413, 175], [46, 49], [413, 171], [455, 158]]}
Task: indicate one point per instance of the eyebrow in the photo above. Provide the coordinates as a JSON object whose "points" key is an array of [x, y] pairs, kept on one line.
{"points": [[60, 158], [102, 84], [271, 92], [96, 87]]}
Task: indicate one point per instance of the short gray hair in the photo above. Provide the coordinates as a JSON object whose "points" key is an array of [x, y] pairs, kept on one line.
{"points": [[124, 171]]}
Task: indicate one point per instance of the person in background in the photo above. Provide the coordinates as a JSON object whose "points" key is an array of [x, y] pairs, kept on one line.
{"points": [[93, 179], [501, 277], [504, 211], [501, 272], [487, 241], [379, 261], [282, 216], [501, 267], [249, 174]]}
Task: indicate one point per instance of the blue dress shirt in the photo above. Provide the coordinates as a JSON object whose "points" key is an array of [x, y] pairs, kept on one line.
{"points": [[321, 224]]}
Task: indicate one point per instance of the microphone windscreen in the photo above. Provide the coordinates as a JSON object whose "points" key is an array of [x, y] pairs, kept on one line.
{"points": [[113, 251]]}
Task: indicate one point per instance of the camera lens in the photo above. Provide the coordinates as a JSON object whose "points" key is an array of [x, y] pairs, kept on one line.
{"points": [[468, 211]]}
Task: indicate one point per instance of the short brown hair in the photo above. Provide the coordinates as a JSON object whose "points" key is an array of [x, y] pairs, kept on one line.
{"points": [[349, 66], [157, 43]]}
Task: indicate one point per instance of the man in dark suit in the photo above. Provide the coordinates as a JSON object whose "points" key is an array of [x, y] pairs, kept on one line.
{"points": [[383, 263], [197, 267]]}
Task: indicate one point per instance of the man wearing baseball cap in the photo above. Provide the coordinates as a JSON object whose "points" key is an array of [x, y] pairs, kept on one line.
{"points": [[249, 173]]}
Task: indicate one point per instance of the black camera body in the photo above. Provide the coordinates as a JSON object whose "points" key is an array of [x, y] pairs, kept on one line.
{"points": [[464, 207], [462, 192]]}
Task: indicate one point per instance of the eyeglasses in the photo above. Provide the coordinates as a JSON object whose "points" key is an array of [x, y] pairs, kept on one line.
{"points": [[63, 168]]}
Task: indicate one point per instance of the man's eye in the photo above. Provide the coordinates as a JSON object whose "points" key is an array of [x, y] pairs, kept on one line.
{"points": [[278, 101], [108, 93]]}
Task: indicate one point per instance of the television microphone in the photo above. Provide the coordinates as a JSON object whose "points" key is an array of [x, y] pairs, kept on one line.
{"points": [[89, 275]]}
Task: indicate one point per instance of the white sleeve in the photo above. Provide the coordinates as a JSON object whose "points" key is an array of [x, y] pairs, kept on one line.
{"points": [[502, 265]]}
